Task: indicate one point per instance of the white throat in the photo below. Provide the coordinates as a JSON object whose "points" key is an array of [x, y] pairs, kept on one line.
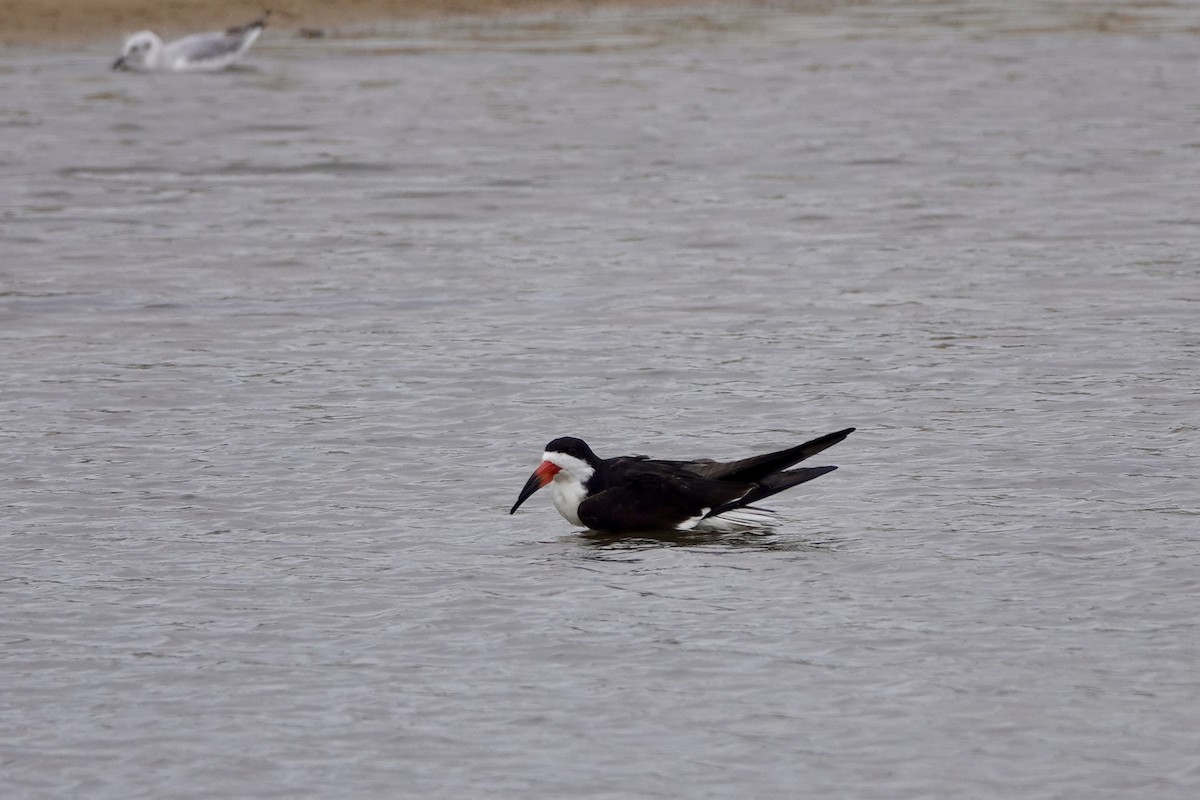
{"points": [[568, 489]]}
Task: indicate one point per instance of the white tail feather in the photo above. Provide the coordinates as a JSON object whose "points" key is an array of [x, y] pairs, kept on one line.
{"points": [[738, 519]]}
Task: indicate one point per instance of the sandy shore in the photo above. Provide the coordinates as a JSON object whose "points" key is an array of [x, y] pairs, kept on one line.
{"points": [[51, 21]]}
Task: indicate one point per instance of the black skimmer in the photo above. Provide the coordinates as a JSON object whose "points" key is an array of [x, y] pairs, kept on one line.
{"points": [[635, 493]]}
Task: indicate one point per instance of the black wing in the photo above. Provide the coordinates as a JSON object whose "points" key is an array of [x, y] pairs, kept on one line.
{"points": [[656, 500], [756, 468], [773, 484]]}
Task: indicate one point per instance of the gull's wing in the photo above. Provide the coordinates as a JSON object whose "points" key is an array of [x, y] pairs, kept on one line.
{"points": [[207, 51]]}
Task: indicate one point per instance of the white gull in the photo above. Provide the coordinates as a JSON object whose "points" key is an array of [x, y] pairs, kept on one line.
{"points": [[200, 52]]}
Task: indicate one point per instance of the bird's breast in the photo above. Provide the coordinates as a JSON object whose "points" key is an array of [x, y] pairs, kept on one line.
{"points": [[567, 493]]}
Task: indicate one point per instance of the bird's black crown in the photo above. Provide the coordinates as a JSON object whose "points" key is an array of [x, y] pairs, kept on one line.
{"points": [[569, 445]]}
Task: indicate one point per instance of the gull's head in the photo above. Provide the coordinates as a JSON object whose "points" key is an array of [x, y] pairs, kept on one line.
{"points": [[565, 459], [140, 51]]}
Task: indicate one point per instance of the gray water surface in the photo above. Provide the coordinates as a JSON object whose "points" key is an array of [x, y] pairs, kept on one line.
{"points": [[279, 346]]}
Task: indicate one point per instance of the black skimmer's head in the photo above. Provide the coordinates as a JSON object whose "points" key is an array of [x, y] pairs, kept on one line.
{"points": [[569, 463]]}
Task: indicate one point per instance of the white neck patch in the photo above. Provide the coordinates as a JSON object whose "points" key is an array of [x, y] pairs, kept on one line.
{"points": [[577, 468], [567, 490]]}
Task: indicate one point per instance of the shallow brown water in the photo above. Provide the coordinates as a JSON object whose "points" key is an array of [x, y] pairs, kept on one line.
{"points": [[279, 346]]}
